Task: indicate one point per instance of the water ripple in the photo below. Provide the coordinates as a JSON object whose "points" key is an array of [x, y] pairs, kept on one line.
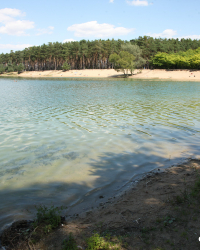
{"points": [[61, 139]]}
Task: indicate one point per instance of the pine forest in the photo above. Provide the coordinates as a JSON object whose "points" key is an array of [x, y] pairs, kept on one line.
{"points": [[155, 53]]}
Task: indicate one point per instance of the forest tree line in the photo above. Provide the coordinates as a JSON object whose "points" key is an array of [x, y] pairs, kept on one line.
{"points": [[95, 54]]}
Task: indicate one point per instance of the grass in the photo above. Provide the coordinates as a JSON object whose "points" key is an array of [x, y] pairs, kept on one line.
{"points": [[50, 218], [47, 219], [96, 242], [24, 233], [70, 243]]}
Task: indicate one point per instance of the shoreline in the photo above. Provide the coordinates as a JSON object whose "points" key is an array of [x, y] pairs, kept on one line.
{"points": [[144, 203], [144, 74]]}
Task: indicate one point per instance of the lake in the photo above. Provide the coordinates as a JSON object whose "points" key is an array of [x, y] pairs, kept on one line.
{"points": [[67, 141]]}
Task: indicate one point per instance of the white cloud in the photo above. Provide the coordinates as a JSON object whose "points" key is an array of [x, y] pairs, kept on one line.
{"points": [[98, 30], [15, 46], [138, 3], [7, 14], [11, 25], [111, 1], [69, 40], [49, 31], [190, 37], [168, 33], [16, 27]]}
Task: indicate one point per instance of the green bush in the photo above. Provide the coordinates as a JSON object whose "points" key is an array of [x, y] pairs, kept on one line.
{"points": [[189, 59], [49, 216], [96, 242]]}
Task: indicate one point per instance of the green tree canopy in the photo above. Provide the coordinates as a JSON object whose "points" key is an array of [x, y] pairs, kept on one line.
{"points": [[95, 54], [136, 52], [182, 60], [65, 66], [2, 69], [123, 62], [10, 67]]}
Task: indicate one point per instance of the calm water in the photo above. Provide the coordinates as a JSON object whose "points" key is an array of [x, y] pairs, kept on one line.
{"points": [[67, 141]]}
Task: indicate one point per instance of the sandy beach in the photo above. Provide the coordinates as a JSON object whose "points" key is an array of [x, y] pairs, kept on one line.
{"points": [[174, 75]]}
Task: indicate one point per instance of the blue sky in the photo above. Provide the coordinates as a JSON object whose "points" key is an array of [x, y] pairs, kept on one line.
{"points": [[26, 23]]}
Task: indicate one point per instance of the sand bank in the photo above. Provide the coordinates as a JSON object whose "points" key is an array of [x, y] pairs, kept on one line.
{"points": [[176, 75]]}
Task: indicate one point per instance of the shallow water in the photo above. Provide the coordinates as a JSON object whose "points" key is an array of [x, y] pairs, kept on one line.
{"points": [[65, 141]]}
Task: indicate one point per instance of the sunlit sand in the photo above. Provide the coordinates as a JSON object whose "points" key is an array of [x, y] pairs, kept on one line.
{"points": [[176, 75]]}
